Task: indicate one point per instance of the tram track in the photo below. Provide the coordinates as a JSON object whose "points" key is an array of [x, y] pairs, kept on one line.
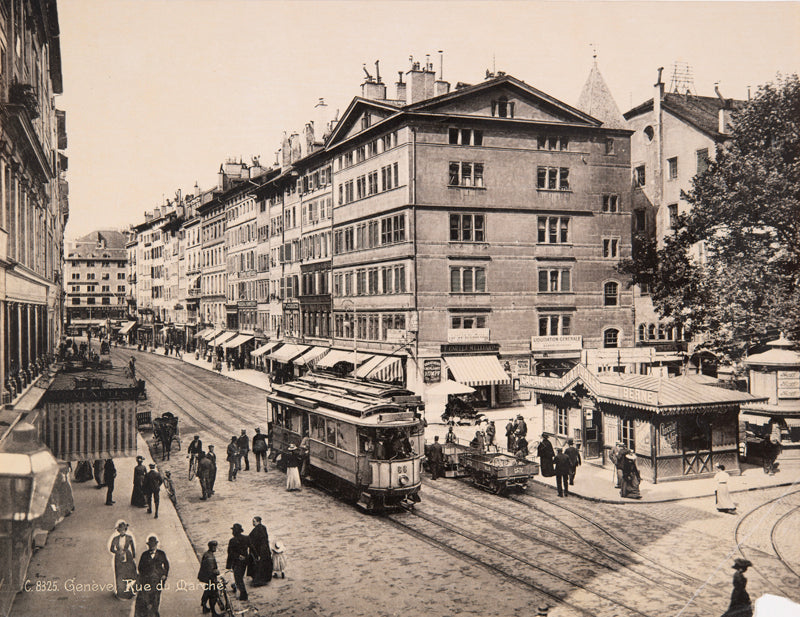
{"points": [[774, 541]]}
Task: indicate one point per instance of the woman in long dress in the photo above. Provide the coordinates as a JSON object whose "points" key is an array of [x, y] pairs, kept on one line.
{"points": [[724, 501], [630, 477], [137, 495], [292, 471], [124, 549]]}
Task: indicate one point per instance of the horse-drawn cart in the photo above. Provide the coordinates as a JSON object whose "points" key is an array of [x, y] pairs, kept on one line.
{"points": [[165, 431], [498, 472]]}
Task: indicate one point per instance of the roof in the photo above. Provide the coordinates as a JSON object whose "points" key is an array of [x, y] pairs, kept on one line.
{"points": [[776, 356], [596, 100], [104, 244], [702, 112]]}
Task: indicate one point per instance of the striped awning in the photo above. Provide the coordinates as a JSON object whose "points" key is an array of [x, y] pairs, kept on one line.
{"points": [[342, 355], [222, 338], [381, 368], [288, 352], [127, 327], [203, 332], [241, 339], [212, 334], [477, 370], [265, 348], [312, 355]]}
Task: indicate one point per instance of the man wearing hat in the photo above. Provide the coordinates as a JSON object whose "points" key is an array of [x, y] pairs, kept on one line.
{"points": [[562, 469], [238, 551], [208, 576], [574, 459], [244, 448], [260, 449], [204, 470], [109, 475], [152, 488], [153, 571], [510, 435], [233, 459], [615, 456], [521, 429], [195, 448], [546, 454], [138, 499], [212, 456]]}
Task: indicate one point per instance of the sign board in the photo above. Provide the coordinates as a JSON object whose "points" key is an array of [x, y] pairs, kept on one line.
{"points": [[432, 370], [557, 343], [788, 384], [396, 336], [522, 366], [467, 335]]}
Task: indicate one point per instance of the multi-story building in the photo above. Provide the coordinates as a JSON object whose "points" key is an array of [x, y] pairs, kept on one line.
{"points": [[95, 273], [190, 272]]}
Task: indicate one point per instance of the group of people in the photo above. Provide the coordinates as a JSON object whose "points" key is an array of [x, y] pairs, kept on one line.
{"points": [[238, 453], [205, 465], [147, 486], [145, 581], [562, 462], [517, 437], [626, 471]]}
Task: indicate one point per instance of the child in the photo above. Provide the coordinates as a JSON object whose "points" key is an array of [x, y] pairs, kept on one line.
{"points": [[278, 560]]}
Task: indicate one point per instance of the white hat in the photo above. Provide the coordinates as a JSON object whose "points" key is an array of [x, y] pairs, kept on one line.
{"points": [[277, 546]]}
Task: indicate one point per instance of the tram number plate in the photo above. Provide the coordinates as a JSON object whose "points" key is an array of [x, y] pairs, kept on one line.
{"points": [[330, 453], [402, 469]]}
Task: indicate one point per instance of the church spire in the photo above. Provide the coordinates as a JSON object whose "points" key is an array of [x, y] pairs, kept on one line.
{"points": [[596, 99]]}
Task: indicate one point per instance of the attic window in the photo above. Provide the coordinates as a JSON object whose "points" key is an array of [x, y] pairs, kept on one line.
{"points": [[502, 108], [366, 120], [649, 132]]}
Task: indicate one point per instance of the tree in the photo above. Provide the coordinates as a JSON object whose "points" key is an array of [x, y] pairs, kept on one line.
{"points": [[745, 209]]}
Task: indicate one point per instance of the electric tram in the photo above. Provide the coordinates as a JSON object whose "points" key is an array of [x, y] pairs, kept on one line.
{"points": [[365, 439]]}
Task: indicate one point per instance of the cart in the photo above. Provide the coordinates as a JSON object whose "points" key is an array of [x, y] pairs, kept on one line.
{"points": [[498, 472], [453, 459], [165, 431]]}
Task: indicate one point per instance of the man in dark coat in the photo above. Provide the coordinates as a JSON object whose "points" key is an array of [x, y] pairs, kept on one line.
{"points": [[153, 571], [109, 473], [212, 456], [233, 459], [238, 552], [204, 470], [208, 576], [98, 472], [152, 488], [260, 554], [521, 429], [243, 443], [563, 466], [545, 453], [260, 449], [435, 458], [510, 435], [195, 448], [619, 461], [574, 459], [137, 495]]}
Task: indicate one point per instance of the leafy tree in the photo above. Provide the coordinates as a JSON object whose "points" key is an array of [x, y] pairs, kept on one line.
{"points": [[745, 208]]}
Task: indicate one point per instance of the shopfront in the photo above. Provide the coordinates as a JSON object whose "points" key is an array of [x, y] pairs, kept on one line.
{"points": [[477, 365]]}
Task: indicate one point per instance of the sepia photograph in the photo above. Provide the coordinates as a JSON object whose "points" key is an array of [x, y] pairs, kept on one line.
{"points": [[357, 308]]}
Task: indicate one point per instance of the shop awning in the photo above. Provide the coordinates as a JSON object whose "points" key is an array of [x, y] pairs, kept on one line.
{"points": [[241, 339], [312, 355], [265, 348], [288, 352], [477, 370], [203, 332], [222, 338], [341, 355], [212, 334], [127, 327], [450, 387], [382, 368]]}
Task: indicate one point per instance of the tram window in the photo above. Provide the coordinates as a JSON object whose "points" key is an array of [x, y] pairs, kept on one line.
{"points": [[331, 434], [347, 437], [278, 415], [318, 428]]}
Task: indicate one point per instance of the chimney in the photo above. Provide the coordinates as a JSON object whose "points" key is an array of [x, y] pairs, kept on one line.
{"points": [[420, 82], [320, 122], [401, 87], [724, 113], [373, 88], [441, 86]]}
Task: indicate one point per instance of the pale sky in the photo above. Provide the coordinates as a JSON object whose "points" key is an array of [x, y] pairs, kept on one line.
{"points": [[159, 93]]}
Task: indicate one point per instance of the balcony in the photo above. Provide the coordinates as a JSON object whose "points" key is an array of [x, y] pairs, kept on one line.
{"points": [[194, 293]]}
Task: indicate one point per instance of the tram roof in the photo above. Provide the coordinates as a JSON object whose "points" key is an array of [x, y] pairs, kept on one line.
{"points": [[361, 386]]}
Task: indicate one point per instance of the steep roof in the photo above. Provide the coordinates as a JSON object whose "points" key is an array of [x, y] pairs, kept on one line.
{"points": [[108, 244], [702, 112], [596, 100]]}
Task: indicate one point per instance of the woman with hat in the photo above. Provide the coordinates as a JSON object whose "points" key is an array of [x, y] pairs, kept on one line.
{"points": [[278, 560], [740, 605], [546, 455], [723, 495], [292, 469], [138, 498], [124, 549], [630, 477]]}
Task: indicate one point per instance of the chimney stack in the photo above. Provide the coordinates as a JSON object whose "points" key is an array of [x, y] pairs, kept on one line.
{"points": [[724, 112], [401, 87], [420, 82], [373, 88]]}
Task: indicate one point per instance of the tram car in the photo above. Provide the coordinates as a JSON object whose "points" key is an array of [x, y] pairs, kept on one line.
{"points": [[365, 439], [498, 472]]}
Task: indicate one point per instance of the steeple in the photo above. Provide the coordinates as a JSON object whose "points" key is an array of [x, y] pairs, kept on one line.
{"points": [[596, 100]]}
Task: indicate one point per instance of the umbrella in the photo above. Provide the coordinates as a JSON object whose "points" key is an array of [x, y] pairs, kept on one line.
{"points": [[450, 387]]}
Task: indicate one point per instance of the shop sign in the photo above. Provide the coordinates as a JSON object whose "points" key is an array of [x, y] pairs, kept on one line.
{"points": [[523, 366], [788, 384], [432, 371], [468, 335], [394, 335], [557, 343]]}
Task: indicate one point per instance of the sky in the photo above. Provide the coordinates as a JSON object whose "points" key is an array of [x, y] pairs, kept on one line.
{"points": [[158, 93]]}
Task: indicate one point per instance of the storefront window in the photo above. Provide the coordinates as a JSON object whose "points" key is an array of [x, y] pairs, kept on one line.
{"points": [[627, 434]]}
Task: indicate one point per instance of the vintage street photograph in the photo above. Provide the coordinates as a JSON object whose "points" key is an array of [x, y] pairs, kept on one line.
{"points": [[357, 308]]}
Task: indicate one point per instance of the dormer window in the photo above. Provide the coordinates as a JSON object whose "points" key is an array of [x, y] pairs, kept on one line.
{"points": [[366, 120], [503, 108]]}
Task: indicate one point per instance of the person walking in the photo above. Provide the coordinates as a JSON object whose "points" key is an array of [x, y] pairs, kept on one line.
{"points": [[723, 494], [260, 554], [545, 453], [491, 435], [212, 456], [292, 469], [574, 459], [630, 477], [238, 552], [260, 449], [208, 576], [195, 448], [243, 443], [124, 549], [563, 467], [615, 456], [278, 560], [204, 471], [153, 572], [740, 605], [109, 474], [510, 435], [436, 458], [138, 500], [233, 459], [152, 488]]}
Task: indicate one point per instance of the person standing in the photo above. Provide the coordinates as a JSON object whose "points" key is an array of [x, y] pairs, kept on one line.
{"points": [[491, 435], [545, 453], [138, 499], [521, 445], [260, 449], [451, 436], [124, 549], [208, 576], [723, 495], [243, 443], [574, 459], [292, 472], [478, 442], [436, 458], [630, 477], [204, 471], [278, 560], [153, 571], [616, 456], [740, 605], [510, 435], [238, 551], [98, 472], [109, 473], [233, 459], [260, 554], [563, 467], [521, 428], [152, 488], [212, 456]]}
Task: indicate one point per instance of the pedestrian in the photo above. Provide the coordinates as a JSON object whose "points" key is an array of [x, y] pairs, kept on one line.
{"points": [[615, 456], [304, 452], [195, 448], [563, 467], [98, 466], [521, 446], [243, 443], [292, 472], [233, 459], [238, 553], [521, 429], [435, 458], [510, 435], [278, 560], [740, 605], [574, 459], [204, 471], [132, 367], [124, 549], [138, 500], [169, 488], [723, 495], [212, 456], [451, 436], [478, 442], [152, 488], [153, 571], [260, 568], [260, 449], [83, 471], [630, 477], [491, 434], [545, 453], [208, 576], [109, 473]]}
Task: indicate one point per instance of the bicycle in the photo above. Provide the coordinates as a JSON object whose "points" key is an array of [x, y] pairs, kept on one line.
{"points": [[192, 466], [224, 607]]}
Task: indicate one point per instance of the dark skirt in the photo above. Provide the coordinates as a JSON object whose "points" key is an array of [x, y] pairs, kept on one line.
{"points": [[260, 568]]}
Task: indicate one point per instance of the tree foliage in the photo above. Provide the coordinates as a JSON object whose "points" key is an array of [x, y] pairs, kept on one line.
{"points": [[745, 210]]}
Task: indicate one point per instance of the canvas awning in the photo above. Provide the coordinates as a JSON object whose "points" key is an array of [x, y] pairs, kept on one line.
{"points": [[382, 368], [212, 334], [341, 355], [222, 338], [241, 339], [127, 327], [477, 370], [203, 332], [288, 352], [450, 387], [312, 355], [265, 348]]}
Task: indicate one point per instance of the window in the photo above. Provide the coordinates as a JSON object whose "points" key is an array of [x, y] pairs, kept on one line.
{"points": [[649, 132], [640, 219], [554, 325], [466, 174], [89, 300], [611, 294], [610, 203], [467, 228], [609, 145], [120, 276], [393, 229], [76, 301], [467, 279], [610, 248], [627, 434], [105, 301], [611, 338], [702, 160], [553, 230], [673, 168], [551, 281], [549, 142], [502, 108], [642, 332], [468, 322], [673, 215], [465, 137], [639, 176], [563, 421], [552, 178]]}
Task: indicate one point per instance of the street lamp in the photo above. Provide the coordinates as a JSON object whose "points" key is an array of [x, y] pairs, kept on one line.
{"points": [[28, 474]]}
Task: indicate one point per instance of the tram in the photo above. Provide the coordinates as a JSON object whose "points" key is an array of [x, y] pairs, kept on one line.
{"points": [[365, 439]]}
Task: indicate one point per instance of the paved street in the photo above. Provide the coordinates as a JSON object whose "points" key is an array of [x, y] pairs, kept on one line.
{"points": [[464, 552]]}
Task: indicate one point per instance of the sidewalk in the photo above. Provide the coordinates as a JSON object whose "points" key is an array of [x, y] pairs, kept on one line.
{"points": [[73, 574]]}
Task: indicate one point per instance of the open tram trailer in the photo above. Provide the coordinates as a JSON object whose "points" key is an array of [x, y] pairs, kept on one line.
{"points": [[365, 439], [498, 472]]}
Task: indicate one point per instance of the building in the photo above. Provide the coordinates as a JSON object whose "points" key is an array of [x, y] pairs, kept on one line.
{"points": [[96, 268]]}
